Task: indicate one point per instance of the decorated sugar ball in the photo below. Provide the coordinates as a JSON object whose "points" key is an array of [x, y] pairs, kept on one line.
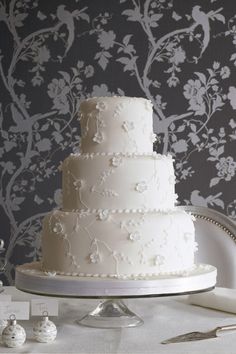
{"points": [[3, 324], [13, 334], [44, 331]]}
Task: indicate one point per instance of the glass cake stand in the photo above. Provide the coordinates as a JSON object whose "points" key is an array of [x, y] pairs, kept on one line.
{"points": [[112, 311]]}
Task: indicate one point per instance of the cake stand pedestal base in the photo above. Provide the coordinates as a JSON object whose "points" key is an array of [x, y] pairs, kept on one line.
{"points": [[112, 312]]}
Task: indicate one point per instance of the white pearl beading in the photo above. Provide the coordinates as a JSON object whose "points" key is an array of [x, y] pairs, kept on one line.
{"points": [[181, 273]]}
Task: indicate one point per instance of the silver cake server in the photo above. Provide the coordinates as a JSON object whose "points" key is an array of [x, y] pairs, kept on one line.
{"points": [[192, 336]]}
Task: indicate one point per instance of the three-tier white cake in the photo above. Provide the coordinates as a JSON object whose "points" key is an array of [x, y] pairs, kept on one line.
{"points": [[119, 217]]}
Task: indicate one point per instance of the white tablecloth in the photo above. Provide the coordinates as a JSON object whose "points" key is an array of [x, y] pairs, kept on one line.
{"points": [[163, 318]]}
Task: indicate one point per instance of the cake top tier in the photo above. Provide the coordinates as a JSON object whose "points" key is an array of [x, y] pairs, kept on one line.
{"points": [[116, 124]]}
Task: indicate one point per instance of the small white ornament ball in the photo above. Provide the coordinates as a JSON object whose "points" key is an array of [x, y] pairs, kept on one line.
{"points": [[44, 331], [3, 324], [13, 335]]}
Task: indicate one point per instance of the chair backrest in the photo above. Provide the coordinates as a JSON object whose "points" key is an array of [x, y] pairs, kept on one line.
{"points": [[216, 237]]}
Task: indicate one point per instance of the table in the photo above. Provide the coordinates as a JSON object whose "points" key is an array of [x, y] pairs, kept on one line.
{"points": [[163, 318]]}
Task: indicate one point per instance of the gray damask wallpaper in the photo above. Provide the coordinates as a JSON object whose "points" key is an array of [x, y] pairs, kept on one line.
{"points": [[181, 54]]}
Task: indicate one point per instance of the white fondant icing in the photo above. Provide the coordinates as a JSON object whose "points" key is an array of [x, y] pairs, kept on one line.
{"points": [[119, 114], [118, 249], [134, 182], [119, 218]]}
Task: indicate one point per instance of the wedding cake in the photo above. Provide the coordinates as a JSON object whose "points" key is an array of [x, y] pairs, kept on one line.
{"points": [[119, 217]]}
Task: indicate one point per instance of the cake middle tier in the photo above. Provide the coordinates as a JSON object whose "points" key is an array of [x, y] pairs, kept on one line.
{"points": [[118, 181]]}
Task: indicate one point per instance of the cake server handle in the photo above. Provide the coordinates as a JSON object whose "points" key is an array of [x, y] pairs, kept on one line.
{"points": [[222, 329]]}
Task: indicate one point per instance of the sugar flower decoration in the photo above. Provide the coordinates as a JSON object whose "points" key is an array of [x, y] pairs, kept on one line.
{"points": [[80, 116], [141, 187], [187, 236], [116, 161], [98, 138], [50, 274], [159, 260], [118, 110], [134, 236], [60, 167], [101, 106], [148, 105], [94, 257], [171, 180], [103, 215], [83, 213], [195, 247], [78, 183], [127, 126], [176, 198], [153, 137], [101, 122], [58, 228]]}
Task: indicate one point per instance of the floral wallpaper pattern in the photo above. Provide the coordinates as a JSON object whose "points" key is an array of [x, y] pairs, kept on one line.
{"points": [[53, 54]]}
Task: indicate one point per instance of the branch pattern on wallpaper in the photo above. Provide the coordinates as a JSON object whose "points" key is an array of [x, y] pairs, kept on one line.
{"points": [[38, 112]]}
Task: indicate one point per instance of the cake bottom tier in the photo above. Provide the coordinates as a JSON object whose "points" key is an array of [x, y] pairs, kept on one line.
{"points": [[120, 244]]}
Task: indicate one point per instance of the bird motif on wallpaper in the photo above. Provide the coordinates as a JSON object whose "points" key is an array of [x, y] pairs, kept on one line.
{"points": [[67, 18], [203, 19]]}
